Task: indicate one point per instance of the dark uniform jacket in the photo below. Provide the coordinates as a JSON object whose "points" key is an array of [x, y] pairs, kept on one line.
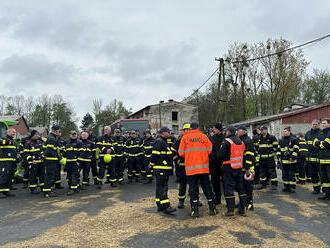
{"points": [[324, 146], [313, 152], [72, 150], [216, 140], [267, 147], [288, 149], [8, 149], [147, 147], [51, 148], [162, 155], [133, 147], [104, 143], [33, 151], [249, 156], [118, 146], [86, 150], [303, 147]]}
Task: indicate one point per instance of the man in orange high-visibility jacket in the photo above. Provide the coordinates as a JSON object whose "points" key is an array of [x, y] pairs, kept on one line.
{"points": [[195, 148], [231, 153]]}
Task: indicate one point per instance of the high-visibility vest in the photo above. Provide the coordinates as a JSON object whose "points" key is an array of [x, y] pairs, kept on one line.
{"points": [[236, 155]]}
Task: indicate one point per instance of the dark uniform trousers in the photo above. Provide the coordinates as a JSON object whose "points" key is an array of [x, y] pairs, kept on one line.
{"points": [[182, 179], [147, 168], [118, 164], [204, 181], [233, 180], [216, 174], [84, 166], [73, 174], [93, 166], [36, 172], [58, 173], [314, 170], [133, 167], [301, 162], [325, 178], [51, 169], [162, 177], [6, 169], [288, 174], [268, 171], [102, 167], [248, 187]]}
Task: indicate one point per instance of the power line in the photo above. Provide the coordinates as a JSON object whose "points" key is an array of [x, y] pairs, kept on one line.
{"points": [[262, 57]]}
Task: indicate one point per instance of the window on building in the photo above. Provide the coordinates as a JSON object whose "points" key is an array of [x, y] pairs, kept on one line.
{"points": [[174, 116], [175, 129]]}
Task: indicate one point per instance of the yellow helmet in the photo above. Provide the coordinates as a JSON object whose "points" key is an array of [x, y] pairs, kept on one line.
{"points": [[63, 161], [107, 158], [186, 126]]}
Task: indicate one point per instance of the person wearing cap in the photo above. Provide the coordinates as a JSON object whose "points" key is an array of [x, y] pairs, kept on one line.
{"points": [[248, 164], [162, 163], [118, 159], [72, 153], [180, 168], [51, 158], [267, 150], [133, 150], [287, 156], [8, 160], [256, 137], [147, 150], [93, 164], [195, 148], [215, 162], [85, 158], [33, 153], [232, 155], [105, 145]]}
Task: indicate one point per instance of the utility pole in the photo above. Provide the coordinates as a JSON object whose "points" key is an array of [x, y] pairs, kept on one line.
{"points": [[221, 79]]}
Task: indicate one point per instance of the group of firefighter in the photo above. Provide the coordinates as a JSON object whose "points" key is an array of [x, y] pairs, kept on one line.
{"points": [[225, 159]]}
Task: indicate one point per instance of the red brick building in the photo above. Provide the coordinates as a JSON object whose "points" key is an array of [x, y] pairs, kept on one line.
{"points": [[21, 128]]}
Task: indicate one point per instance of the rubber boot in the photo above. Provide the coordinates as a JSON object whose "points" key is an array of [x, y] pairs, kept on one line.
{"points": [[181, 204], [194, 209], [169, 210], [242, 209], [212, 208], [230, 206], [316, 190], [286, 188]]}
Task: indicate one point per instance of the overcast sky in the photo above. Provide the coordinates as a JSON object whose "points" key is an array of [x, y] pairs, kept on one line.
{"points": [[141, 51]]}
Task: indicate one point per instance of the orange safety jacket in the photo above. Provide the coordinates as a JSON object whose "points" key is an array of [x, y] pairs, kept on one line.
{"points": [[236, 155], [195, 148]]}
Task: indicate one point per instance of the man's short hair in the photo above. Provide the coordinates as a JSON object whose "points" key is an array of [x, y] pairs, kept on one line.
{"points": [[327, 120], [287, 129]]}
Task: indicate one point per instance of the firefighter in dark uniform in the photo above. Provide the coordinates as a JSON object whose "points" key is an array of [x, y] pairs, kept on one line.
{"points": [[287, 157], [322, 143], [162, 163], [61, 144], [93, 164], [248, 164], [147, 149], [313, 163], [72, 153], [85, 158], [118, 157], [25, 163], [8, 160], [215, 163], [105, 146], [301, 161], [34, 156], [180, 169], [133, 153], [267, 149], [232, 153], [256, 138], [51, 159]]}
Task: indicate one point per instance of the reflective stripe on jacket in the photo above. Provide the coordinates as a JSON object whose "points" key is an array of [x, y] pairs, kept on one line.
{"points": [[236, 155]]}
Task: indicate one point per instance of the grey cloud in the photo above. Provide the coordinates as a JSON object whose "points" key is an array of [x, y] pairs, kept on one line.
{"points": [[36, 68]]}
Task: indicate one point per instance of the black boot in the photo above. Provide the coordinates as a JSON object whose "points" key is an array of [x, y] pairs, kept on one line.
{"points": [[242, 209], [194, 209], [169, 210], [230, 206], [71, 192], [317, 190], [181, 204], [114, 185], [286, 188], [149, 180], [212, 208], [49, 194]]}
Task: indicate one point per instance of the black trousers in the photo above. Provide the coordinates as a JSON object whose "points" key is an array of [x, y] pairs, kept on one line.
{"points": [[5, 176], [301, 168], [73, 174], [148, 170], [216, 174], [51, 170], [288, 175], [118, 164], [58, 173], [102, 167], [37, 173], [325, 178], [84, 166], [162, 177], [93, 166], [194, 181], [233, 180], [314, 168], [133, 167], [182, 179], [26, 174], [248, 187], [268, 171], [257, 173]]}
